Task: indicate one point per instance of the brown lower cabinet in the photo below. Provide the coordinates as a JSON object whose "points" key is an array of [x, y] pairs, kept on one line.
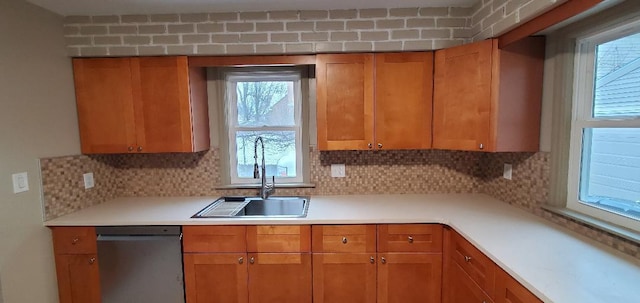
{"points": [[76, 250], [409, 277], [344, 277]]}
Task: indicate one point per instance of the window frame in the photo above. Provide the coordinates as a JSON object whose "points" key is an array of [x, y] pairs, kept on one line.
{"points": [[234, 75], [582, 118]]}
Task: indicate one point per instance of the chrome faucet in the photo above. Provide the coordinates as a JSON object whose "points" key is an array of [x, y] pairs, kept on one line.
{"points": [[265, 188]]}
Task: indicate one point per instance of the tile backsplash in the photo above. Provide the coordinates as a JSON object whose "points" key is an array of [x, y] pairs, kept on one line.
{"points": [[367, 172]]}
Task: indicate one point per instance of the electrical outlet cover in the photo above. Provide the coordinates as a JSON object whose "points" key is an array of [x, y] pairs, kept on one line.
{"points": [[20, 182], [88, 180], [507, 172], [338, 170]]}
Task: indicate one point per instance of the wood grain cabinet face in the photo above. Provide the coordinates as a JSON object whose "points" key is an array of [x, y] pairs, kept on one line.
{"points": [[409, 277], [508, 290], [279, 238], [344, 277], [410, 238], [381, 101], [202, 239], [77, 269], [344, 238], [488, 99], [280, 277], [463, 289], [146, 104], [474, 263], [216, 277]]}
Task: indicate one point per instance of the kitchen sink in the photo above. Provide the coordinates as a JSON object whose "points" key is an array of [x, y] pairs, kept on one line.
{"points": [[243, 207]]}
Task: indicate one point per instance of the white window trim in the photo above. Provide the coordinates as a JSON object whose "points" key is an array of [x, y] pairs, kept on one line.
{"points": [[582, 118], [232, 127]]}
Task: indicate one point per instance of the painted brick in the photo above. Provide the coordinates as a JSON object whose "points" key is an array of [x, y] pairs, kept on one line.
{"points": [[534, 8], [73, 51], [70, 41], [328, 47], [390, 23], [284, 15], [200, 17], [180, 50], [374, 13], [93, 30], [403, 12], [210, 28], [240, 49], [254, 38], [434, 11], [493, 18], [165, 39], [105, 19], [137, 40], [239, 27], [107, 40], [497, 4], [269, 26], [404, 34], [460, 12], [330, 25], [70, 30], [505, 24], [483, 35], [269, 48], [223, 16], [181, 28], [152, 29], [314, 15], [151, 50], [387, 46], [439, 44], [285, 37], [358, 46], [123, 51], [194, 39], [165, 18], [343, 14], [123, 29], [374, 36], [304, 48], [93, 51], [344, 36], [462, 33], [418, 45], [436, 33], [254, 16], [314, 36], [77, 19], [477, 6], [451, 22], [134, 18], [225, 38], [360, 24], [421, 22], [481, 14], [210, 49], [300, 26], [514, 5]]}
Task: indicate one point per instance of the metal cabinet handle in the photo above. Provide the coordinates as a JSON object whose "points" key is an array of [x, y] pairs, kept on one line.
{"points": [[344, 240], [410, 239], [75, 241], [130, 148], [383, 260], [467, 259], [252, 260], [139, 148], [240, 260], [370, 145], [92, 260], [481, 146], [379, 145], [372, 260]]}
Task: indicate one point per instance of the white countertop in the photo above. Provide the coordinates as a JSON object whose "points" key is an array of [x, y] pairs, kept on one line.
{"points": [[555, 264]]}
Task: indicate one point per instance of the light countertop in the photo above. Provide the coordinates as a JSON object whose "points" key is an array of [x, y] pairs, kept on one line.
{"points": [[555, 264]]}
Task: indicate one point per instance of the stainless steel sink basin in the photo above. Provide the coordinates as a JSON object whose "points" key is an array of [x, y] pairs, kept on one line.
{"points": [[242, 207]]}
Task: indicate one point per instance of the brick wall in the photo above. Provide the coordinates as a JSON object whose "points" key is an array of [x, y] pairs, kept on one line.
{"points": [[295, 32]]}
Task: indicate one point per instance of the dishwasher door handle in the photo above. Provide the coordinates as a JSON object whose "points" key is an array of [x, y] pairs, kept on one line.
{"points": [[139, 237]]}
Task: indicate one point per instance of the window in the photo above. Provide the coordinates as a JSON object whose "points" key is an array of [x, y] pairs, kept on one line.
{"points": [[604, 167], [265, 103]]}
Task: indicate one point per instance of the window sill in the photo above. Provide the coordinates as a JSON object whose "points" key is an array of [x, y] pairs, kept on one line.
{"points": [[599, 224], [257, 186]]}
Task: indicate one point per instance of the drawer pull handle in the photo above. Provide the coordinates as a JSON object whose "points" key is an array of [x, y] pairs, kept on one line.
{"points": [[383, 260], [75, 241], [130, 148], [372, 260], [92, 260], [410, 239], [240, 260], [252, 260], [344, 240], [467, 259]]}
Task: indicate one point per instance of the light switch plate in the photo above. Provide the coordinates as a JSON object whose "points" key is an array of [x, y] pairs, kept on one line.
{"points": [[88, 180], [20, 182], [338, 170], [506, 173]]}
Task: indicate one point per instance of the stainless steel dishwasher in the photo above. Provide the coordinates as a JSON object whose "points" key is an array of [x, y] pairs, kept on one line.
{"points": [[140, 264]]}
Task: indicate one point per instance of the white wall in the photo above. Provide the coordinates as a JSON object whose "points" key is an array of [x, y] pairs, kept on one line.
{"points": [[37, 119]]}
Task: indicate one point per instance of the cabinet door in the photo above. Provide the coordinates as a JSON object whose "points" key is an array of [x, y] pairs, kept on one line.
{"points": [[162, 103], [344, 277], [508, 290], [219, 278], [403, 100], [462, 289], [344, 101], [409, 277], [78, 278], [280, 277], [462, 97], [105, 105]]}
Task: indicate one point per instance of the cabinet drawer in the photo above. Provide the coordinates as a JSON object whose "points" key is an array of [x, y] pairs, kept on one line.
{"points": [[344, 238], [214, 239], [74, 240], [410, 238], [509, 290], [480, 268], [279, 238]]}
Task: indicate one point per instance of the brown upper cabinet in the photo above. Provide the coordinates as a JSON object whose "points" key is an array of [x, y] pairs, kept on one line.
{"points": [[487, 98], [374, 101], [141, 105]]}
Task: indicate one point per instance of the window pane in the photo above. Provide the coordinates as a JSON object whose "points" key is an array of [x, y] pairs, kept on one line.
{"points": [[611, 170], [279, 151], [617, 85], [265, 103]]}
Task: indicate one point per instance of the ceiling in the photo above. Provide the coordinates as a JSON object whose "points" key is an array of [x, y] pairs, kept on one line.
{"points": [[123, 7]]}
